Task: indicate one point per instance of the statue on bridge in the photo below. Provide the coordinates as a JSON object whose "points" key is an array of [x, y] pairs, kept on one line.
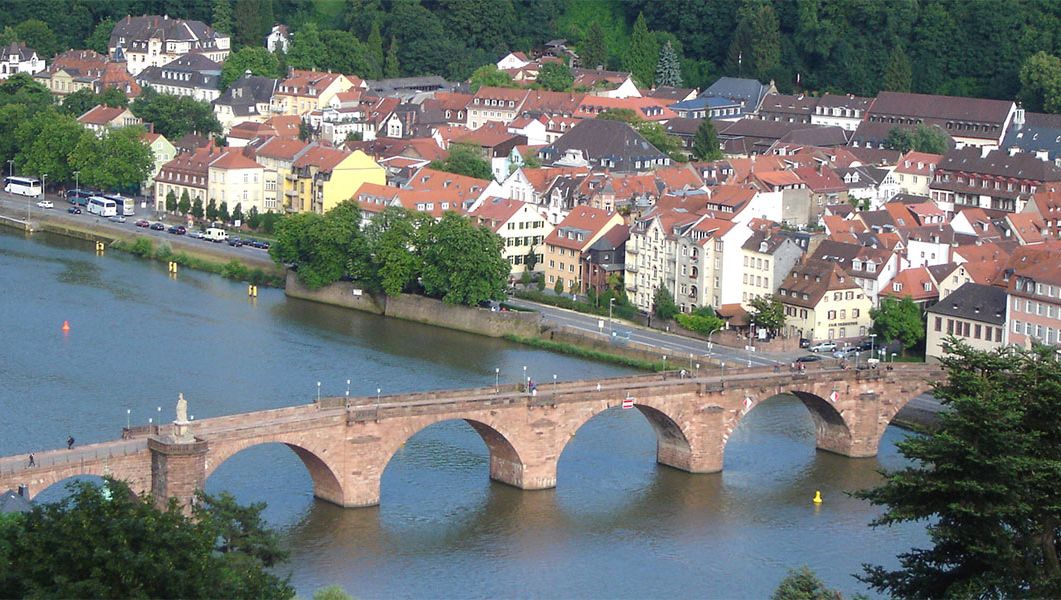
{"points": [[182, 409]]}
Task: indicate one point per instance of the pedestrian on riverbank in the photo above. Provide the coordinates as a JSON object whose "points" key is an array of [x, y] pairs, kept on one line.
{"points": [[70, 443], [32, 461]]}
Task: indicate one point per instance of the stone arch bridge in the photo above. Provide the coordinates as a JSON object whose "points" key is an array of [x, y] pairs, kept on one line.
{"points": [[346, 443]]}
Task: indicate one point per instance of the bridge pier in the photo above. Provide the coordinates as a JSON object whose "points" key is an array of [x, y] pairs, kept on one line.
{"points": [[178, 470], [700, 446]]}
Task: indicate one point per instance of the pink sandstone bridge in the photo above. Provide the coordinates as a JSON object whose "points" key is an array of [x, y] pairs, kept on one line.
{"points": [[346, 443]]}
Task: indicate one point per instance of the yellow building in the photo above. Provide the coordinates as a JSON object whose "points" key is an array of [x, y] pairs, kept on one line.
{"points": [[278, 155], [823, 304], [565, 245], [306, 91], [163, 152], [237, 180], [327, 176]]}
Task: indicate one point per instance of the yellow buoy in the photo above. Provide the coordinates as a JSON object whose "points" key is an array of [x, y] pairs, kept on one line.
{"points": [[817, 497]]}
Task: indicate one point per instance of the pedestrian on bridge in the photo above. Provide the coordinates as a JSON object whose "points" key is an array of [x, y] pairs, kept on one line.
{"points": [[32, 462], [70, 443]]}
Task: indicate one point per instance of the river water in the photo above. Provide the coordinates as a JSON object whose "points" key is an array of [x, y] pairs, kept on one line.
{"points": [[617, 525]]}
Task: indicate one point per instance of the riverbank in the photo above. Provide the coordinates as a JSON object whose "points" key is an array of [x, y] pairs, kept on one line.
{"points": [[185, 253]]}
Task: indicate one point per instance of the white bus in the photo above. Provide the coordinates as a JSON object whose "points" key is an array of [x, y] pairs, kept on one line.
{"points": [[104, 207], [124, 206], [23, 186]]}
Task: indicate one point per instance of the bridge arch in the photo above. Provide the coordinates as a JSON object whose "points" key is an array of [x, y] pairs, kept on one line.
{"points": [[327, 484], [831, 429]]}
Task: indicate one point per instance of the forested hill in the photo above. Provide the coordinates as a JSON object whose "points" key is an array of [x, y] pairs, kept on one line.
{"points": [[959, 47]]}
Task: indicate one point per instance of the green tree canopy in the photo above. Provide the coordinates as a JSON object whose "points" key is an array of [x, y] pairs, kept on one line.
{"points": [[922, 138], [985, 482], [705, 142], [44, 145], [184, 205], [898, 320], [663, 303], [594, 49], [898, 76], [755, 50], [642, 53], [464, 160], [395, 236], [490, 76], [668, 68], [391, 67], [174, 116], [1040, 79], [101, 36], [803, 584], [463, 263], [120, 160], [768, 312], [556, 77], [256, 59], [307, 50], [37, 35], [222, 16], [374, 52], [105, 542]]}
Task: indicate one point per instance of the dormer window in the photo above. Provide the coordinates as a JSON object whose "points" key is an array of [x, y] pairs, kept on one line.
{"points": [[856, 265], [897, 287]]}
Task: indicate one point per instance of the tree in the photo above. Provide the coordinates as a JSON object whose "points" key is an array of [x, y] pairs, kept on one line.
{"points": [[332, 592], [666, 143], [464, 160], [171, 201], [1040, 79], [211, 210], [668, 69], [768, 313], [803, 584], [79, 102], [705, 142], [197, 208], [307, 49], [490, 76], [253, 218], [119, 160], [256, 59], [253, 21], [185, 203], [985, 480], [54, 550], [101, 36], [704, 324], [531, 259], [464, 263], [390, 65], [222, 212], [45, 142], [898, 76], [558, 288], [641, 53], [663, 303], [898, 320], [174, 116], [237, 213], [922, 138], [114, 98], [594, 50], [755, 49], [556, 77], [222, 16], [394, 238], [269, 221], [37, 35], [374, 53], [322, 248]]}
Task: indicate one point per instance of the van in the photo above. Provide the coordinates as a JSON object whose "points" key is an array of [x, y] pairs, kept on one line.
{"points": [[215, 234]]}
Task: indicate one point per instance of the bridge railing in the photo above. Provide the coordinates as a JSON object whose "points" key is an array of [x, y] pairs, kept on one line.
{"points": [[10, 465]]}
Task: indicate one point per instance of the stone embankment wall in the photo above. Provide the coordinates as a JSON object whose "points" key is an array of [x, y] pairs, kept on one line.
{"points": [[420, 309]]}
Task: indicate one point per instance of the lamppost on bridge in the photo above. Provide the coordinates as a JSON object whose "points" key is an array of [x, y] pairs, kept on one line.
{"points": [[893, 357], [723, 365], [611, 327], [77, 185], [525, 378], [497, 379], [318, 392], [664, 362], [872, 339], [128, 418], [554, 384], [347, 388], [11, 168]]}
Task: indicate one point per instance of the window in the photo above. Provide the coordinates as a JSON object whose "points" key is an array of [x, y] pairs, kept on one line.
{"points": [[939, 323], [854, 313], [1016, 327], [976, 331], [950, 326], [832, 315]]}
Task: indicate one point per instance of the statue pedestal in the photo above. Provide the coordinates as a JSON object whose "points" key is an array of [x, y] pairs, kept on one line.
{"points": [[181, 434]]}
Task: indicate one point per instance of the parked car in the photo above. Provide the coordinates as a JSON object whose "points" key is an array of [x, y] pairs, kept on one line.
{"points": [[177, 229], [143, 223], [865, 345], [804, 343], [235, 241], [849, 352], [74, 210], [823, 347], [117, 218], [158, 226], [196, 234], [45, 204], [808, 358]]}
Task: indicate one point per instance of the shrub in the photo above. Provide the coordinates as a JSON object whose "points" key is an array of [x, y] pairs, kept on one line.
{"points": [[701, 324]]}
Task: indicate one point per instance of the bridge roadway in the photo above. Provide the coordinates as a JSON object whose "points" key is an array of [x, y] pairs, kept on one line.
{"points": [[346, 443]]}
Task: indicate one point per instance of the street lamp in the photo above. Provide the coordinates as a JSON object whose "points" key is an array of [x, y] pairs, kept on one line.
{"points": [[77, 186], [554, 384], [611, 303], [318, 392], [10, 168], [347, 388], [664, 362], [128, 418], [497, 379], [872, 345], [525, 378], [893, 357], [723, 379]]}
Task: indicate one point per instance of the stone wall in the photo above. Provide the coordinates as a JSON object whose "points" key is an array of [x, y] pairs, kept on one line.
{"points": [[410, 307]]}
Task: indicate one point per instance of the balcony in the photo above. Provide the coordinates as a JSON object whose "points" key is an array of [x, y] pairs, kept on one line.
{"points": [[631, 268], [631, 287], [630, 250]]}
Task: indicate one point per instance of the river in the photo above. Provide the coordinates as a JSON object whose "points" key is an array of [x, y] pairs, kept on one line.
{"points": [[617, 525]]}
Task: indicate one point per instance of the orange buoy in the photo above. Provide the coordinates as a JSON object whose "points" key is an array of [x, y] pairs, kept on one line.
{"points": [[66, 325]]}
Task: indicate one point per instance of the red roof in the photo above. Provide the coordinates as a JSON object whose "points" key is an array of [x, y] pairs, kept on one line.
{"points": [[100, 115], [324, 158], [233, 159], [587, 219], [915, 283], [495, 212]]}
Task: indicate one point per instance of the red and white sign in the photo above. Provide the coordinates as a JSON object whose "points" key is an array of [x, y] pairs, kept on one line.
{"points": [[834, 396], [747, 403], [628, 403]]}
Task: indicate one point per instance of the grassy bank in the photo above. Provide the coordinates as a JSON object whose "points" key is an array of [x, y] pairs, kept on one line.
{"points": [[233, 269], [636, 363], [619, 311]]}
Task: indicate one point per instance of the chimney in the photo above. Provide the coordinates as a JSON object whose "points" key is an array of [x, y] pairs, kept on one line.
{"points": [[1018, 117]]}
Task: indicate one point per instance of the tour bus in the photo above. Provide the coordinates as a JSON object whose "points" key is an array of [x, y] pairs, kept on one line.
{"points": [[104, 207], [24, 186], [79, 197], [125, 206]]}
